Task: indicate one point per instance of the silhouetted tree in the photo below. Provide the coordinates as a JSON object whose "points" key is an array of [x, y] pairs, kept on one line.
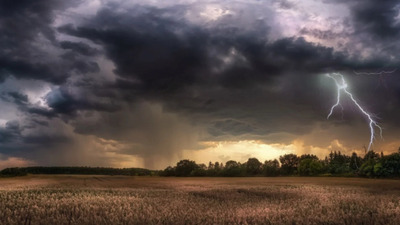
{"points": [[169, 171], [289, 163], [200, 171], [214, 169], [253, 166], [217, 166], [371, 155], [338, 163], [367, 168], [308, 156], [210, 165], [371, 166], [355, 162], [388, 166], [185, 167], [232, 169], [271, 168], [12, 172], [310, 166]]}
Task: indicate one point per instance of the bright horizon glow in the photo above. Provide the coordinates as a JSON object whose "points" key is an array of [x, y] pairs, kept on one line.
{"points": [[240, 151]]}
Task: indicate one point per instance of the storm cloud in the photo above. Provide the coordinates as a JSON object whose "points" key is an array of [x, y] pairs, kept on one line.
{"points": [[117, 83]]}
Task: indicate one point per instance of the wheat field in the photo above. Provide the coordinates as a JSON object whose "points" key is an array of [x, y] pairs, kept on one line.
{"points": [[64, 199]]}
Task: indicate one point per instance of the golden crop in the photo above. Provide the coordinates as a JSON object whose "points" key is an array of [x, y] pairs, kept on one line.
{"points": [[96, 200]]}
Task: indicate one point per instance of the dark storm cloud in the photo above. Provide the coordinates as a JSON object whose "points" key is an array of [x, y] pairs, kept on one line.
{"points": [[213, 72], [29, 70], [64, 101], [173, 77], [16, 97], [46, 139], [40, 111], [376, 17], [164, 55], [79, 47], [148, 48], [320, 34], [27, 36], [78, 64], [10, 133], [23, 19], [230, 126], [373, 25]]}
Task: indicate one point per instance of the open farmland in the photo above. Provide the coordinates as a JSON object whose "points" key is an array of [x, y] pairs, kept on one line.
{"points": [[87, 199]]}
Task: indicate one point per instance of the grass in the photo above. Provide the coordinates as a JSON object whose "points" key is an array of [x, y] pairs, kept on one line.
{"points": [[80, 199]]}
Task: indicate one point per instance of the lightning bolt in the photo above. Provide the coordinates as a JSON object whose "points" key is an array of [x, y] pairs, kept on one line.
{"points": [[382, 74], [375, 73], [342, 86]]}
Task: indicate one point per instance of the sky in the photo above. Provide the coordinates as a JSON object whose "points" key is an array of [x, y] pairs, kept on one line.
{"points": [[146, 83]]}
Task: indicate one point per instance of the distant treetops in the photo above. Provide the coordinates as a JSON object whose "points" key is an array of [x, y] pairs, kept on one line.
{"points": [[21, 171], [336, 164]]}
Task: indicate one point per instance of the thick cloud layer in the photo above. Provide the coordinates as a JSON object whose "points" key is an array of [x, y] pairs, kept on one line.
{"points": [[145, 82]]}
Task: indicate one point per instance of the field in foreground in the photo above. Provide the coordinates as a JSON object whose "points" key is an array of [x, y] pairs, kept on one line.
{"points": [[87, 199]]}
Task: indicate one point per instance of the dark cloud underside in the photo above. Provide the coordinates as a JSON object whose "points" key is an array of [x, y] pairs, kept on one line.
{"points": [[155, 82]]}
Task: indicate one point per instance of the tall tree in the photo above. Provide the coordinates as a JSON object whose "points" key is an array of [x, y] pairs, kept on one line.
{"points": [[232, 169], [289, 163], [355, 162], [253, 166], [310, 167], [271, 168], [185, 167]]}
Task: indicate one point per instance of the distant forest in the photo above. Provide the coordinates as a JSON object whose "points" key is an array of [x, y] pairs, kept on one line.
{"points": [[336, 164], [21, 171]]}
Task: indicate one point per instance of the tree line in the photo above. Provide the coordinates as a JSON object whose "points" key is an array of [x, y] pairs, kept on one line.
{"points": [[21, 171], [372, 164]]}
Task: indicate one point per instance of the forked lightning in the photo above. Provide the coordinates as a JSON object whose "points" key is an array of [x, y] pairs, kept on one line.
{"points": [[342, 85]]}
